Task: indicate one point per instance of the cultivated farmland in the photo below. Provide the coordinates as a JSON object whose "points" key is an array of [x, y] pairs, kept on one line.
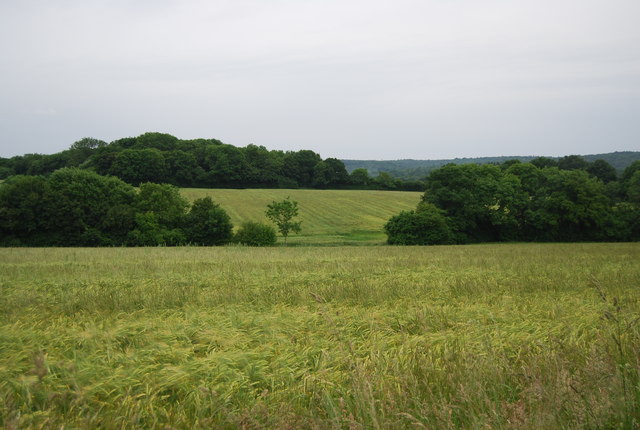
{"points": [[489, 336], [328, 216]]}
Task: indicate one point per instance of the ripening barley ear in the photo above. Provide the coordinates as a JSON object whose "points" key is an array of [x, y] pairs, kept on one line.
{"points": [[627, 342], [39, 365]]}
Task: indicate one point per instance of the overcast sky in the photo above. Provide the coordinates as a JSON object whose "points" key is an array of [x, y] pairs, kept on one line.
{"points": [[364, 79]]}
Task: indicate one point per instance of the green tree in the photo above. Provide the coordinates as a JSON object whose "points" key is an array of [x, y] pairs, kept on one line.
{"points": [[149, 231], [208, 224], [82, 200], [542, 162], [360, 177], [567, 206], [25, 210], [300, 165], [629, 172], [183, 168], [427, 225], [480, 200], [155, 140], [224, 165], [69, 208], [255, 234], [283, 214], [264, 165], [165, 201], [81, 150], [5, 172], [46, 164], [572, 162], [136, 166], [385, 181], [603, 171]]}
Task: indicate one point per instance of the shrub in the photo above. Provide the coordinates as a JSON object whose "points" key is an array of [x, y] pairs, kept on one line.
{"points": [[256, 234], [208, 224], [425, 226]]}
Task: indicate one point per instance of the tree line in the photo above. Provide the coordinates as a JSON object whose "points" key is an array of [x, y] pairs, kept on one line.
{"points": [[202, 163], [75, 207], [408, 169], [544, 200]]}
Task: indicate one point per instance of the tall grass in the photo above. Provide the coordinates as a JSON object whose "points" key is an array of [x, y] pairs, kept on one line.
{"points": [[491, 336]]}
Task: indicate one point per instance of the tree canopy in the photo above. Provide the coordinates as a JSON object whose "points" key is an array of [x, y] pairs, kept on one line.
{"points": [[76, 207], [516, 201], [200, 163], [283, 214]]}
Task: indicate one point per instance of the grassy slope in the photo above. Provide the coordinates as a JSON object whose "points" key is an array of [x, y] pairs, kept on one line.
{"points": [[328, 216], [487, 336]]}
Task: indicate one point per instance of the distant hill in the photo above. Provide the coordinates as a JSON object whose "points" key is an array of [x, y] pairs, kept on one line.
{"points": [[419, 169]]}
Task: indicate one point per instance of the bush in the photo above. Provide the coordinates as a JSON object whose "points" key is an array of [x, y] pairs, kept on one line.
{"points": [[256, 234], [208, 224], [425, 226]]}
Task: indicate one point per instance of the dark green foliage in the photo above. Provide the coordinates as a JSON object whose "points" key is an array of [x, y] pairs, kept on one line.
{"points": [[139, 165], [208, 224], [163, 158], [5, 172], [629, 172], [81, 150], [330, 173], [26, 204], [360, 177], [255, 234], [632, 188], [602, 170], [82, 201], [154, 140], [524, 202], [67, 209], [572, 162], [425, 226], [542, 162], [75, 207], [150, 231], [165, 201], [160, 216], [568, 206], [481, 201], [184, 168], [224, 166], [299, 166], [45, 164], [265, 166]]}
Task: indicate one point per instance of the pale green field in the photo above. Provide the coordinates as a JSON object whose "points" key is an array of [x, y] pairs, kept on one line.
{"points": [[486, 336], [328, 216]]}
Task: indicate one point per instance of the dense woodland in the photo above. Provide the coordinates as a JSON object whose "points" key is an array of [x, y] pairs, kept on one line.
{"points": [[202, 163], [75, 207], [543, 201], [87, 195]]}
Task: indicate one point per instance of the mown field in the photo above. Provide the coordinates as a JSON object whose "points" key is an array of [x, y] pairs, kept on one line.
{"points": [[328, 216], [492, 336]]}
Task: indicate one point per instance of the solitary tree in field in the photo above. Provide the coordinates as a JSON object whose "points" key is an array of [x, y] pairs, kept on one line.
{"points": [[282, 214]]}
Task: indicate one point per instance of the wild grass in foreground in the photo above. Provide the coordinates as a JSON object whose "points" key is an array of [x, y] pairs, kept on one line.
{"points": [[492, 336]]}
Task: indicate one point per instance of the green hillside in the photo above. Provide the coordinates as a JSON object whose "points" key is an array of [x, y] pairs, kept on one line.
{"points": [[328, 216], [419, 169]]}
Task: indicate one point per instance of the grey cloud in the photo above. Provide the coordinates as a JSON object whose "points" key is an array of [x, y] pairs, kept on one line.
{"points": [[351, 79]]}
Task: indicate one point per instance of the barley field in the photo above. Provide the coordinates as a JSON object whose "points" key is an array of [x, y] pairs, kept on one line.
{"points": [[486, 336], [329, 217]]}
